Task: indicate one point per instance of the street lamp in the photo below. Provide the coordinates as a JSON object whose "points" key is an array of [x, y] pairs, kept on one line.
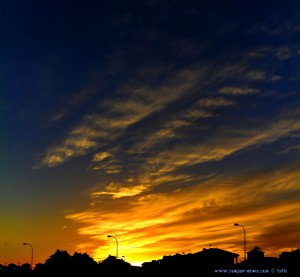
{"points": [[237, 224], [109, 236], [25, 243]]}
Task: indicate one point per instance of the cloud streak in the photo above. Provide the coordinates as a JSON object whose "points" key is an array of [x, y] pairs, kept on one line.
{"points": [[194, 217], [180, 143]]}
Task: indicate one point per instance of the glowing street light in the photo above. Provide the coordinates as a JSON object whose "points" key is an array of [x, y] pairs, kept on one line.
{"points": [[109, 236], [237, 224], [25, 243]]}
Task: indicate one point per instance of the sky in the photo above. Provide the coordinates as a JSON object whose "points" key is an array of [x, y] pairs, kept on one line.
{"points": [[161, 123]]}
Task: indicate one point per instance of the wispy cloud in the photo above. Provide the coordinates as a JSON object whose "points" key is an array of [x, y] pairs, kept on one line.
{"points": [[73, 146], [223, 142], [238, 90], [194, 217], [283, 53], [256, 75], [149, 140], [128, 106], [161, 124], [101, 156], [119, 190]]}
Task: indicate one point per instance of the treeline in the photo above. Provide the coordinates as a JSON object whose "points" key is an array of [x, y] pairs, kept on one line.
{"points": [[61, 263]]}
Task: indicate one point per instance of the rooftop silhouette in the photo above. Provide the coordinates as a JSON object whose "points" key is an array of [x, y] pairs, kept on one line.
{"points": [[208, 262]]}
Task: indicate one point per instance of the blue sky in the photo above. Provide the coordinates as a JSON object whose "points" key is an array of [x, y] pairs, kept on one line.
{"points": [[159, 122]]}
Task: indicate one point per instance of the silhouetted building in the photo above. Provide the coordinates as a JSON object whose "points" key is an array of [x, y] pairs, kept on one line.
{"points": [[204, 261], [291, 260], [217, 257], [256, 255], [290, 256]]}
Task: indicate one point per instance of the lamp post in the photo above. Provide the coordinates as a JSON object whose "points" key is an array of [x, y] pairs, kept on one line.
{"points": [[109, 236], [31, 263], [237, 224]]}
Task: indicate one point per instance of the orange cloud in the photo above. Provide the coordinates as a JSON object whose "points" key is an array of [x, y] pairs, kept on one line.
{"points": [[193, 217]]}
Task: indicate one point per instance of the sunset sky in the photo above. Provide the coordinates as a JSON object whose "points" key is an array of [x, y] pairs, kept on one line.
{"points": [[159, 122]]}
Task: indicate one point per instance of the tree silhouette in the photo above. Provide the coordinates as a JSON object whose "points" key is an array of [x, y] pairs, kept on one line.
{"points": [[82, 263], [58, 263], [61, 262]]}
